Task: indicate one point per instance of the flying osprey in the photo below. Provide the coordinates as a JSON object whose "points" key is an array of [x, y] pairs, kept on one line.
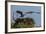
{"points": [[29, 12]]}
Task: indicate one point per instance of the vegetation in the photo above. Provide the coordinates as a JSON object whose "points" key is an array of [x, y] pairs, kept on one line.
{"points": [[23, 23]]}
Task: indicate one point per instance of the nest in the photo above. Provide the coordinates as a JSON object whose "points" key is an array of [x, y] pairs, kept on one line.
{"points": [[24, 23]]}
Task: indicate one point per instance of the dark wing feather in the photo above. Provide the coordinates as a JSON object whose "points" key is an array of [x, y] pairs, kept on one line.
{"points": [[18, 12], [32, 12]]}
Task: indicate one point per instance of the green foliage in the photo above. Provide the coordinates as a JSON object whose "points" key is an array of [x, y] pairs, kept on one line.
{"points": [[24, 25]]}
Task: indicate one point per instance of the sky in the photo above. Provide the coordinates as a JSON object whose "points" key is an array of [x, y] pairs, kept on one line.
{"points": [[35, 16]]}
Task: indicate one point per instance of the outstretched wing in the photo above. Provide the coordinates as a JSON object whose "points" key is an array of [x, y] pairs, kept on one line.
{"points": [[18, 12], [21, 13], [32, 12]]}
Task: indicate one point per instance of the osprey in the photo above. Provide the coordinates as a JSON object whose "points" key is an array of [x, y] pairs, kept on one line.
{"points": [[29, 12]]}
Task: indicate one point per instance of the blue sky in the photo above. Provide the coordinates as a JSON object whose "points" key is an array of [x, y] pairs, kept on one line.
{"points": [[35, 16]]}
